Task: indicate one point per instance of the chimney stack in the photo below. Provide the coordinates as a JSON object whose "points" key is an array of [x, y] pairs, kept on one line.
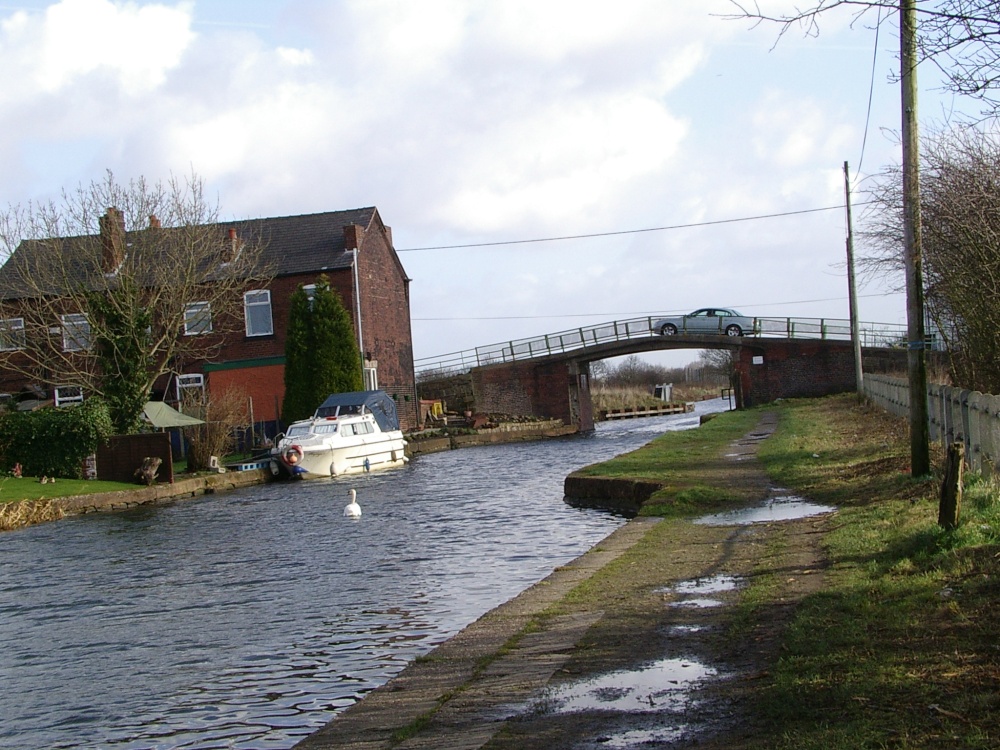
{"points": [[112, 226], [154, 223], [231, 249], [353, 235]]}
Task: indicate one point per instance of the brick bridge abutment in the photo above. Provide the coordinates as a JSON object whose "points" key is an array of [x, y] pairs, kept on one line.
{"points": [[558, 387]]}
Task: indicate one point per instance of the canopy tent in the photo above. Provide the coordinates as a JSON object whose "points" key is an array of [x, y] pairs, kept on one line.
{"points": [[161, 415]]}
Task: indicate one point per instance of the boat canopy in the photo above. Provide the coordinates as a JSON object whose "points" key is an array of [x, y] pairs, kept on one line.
{"points": [[379, 403]]}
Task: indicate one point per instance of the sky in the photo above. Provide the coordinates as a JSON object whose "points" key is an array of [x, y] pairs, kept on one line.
{"points": [[468, 122]]}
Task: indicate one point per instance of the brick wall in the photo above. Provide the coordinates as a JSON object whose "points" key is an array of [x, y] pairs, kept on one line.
{"points": [[794, 370], [385, 318], [553, 389]]}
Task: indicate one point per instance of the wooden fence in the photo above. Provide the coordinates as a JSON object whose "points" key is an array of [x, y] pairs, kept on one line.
{"points": [[954, 415]]}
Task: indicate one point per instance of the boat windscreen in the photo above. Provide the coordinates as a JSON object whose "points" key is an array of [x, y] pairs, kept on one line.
{"points": [[379, 403]]}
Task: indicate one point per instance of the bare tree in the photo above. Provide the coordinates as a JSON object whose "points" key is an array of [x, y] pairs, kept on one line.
{"points": [[720, 362], [959, 37], [115, 285], [960, 205]]}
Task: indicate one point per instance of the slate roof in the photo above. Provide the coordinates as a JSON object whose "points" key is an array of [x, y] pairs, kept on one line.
{"points": [[309, 243]]}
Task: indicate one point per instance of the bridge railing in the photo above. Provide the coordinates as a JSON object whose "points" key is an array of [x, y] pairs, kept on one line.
{"points": [[871, 334]]}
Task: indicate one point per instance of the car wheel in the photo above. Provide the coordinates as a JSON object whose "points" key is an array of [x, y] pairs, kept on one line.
{"points": [[734, 330], [668, 330]]}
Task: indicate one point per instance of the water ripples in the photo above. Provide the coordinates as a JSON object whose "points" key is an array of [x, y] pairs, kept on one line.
{"points": [[248, 619]]}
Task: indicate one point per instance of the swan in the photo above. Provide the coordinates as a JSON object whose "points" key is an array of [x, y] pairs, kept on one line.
{"points": [[353, 510]]}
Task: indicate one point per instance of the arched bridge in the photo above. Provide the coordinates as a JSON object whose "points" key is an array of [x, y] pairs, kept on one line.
{"points": [[548, 376]]}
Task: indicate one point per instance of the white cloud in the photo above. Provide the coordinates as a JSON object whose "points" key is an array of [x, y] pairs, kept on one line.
{"points": [[463, 121], [137, 45]]}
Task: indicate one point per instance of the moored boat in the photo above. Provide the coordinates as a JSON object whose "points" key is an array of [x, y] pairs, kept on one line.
{"points": [[350, 433]]}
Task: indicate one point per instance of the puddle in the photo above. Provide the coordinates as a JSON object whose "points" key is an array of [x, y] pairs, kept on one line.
{"points": [[664, 685], [695, 590], [644, 737], [686, 629], [783, 508], [696, 603], [712, 585]]}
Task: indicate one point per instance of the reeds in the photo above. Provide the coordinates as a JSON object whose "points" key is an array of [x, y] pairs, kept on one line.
{"points": [[19, 513]]}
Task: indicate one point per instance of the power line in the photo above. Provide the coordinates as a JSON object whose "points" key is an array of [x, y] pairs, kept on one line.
{"points": [[625, 231], [871, 93], [617, 315]]}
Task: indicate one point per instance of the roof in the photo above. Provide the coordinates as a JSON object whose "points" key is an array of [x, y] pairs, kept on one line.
{"points": [[308, 243]]}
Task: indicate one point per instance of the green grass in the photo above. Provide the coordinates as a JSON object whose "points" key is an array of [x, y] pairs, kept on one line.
{"points": [[13, 489], [688, 463], [899, 649]]}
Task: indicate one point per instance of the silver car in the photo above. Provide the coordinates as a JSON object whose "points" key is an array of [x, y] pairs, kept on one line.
{"points": [[706, 321]]}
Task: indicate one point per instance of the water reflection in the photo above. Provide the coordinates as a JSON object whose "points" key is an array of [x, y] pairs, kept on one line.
{"points": [[247, 619]]}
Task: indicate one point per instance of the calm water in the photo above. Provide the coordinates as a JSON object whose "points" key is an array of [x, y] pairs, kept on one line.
{"points": [[247, 619]]}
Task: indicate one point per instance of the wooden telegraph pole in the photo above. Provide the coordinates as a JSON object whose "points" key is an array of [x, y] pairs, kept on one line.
{"points": [[912, 252], [852, 290]]}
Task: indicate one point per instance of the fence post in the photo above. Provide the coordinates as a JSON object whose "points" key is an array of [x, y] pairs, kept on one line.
{"points": [[951, 488]]}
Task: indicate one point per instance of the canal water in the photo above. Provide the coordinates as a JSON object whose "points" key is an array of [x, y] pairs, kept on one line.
{"points": [[248, 619]]}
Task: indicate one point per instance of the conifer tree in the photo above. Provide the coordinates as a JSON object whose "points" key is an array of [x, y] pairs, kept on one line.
{"points": [[337, 359], [321, 353], [299, 388]]}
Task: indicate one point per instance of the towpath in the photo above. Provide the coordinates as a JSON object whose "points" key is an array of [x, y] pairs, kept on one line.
{"points": [[644, 654]]}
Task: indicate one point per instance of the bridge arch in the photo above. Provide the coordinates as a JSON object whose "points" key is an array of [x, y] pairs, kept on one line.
{"points": [[549, 376]]}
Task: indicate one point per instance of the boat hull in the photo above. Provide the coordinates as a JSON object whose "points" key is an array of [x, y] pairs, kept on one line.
{"points": [[382, 451]]}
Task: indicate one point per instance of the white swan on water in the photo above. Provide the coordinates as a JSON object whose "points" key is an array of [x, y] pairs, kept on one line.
{"points": [[353, 510]]}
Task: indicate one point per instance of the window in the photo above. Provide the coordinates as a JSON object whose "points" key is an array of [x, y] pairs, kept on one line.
{"points": [[11, 334], [191, 388], [197, 318], [75, 332], [67, 395], [257, 311]]}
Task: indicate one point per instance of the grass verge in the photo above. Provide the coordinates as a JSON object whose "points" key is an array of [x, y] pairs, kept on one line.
{"points": [[899, 650], [689, 464]]}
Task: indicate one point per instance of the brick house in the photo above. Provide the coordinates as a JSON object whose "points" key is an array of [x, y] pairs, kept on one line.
{"points": [[353, 249]]}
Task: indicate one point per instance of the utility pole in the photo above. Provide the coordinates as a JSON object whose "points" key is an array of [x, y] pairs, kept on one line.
{"points": [[912, 249], [852, 290]]}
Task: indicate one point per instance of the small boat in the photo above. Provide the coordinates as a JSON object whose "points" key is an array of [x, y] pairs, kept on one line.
{"points": [[350, 433]]}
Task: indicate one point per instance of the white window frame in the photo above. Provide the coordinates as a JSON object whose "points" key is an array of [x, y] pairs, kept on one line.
{"points": [[75, 332], [12, 337], [190, 381], [67, 395], [257, 299], [197, 318]]}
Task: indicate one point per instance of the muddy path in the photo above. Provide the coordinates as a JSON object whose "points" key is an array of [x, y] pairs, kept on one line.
{"points": [[646, 653]]}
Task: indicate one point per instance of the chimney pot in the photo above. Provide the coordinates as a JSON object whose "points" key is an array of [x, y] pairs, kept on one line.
{"points": [[154, 222]]}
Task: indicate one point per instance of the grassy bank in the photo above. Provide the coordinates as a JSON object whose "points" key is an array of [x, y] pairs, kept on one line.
{"points": [[689, 464], [899, 648]]}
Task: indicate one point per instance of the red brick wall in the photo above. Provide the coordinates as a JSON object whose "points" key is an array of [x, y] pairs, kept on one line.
{"points": [[795, 370], [264, 384], [556, 390], [385, 319]]}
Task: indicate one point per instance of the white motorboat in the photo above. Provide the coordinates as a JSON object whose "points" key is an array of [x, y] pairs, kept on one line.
{"points": [[350, 433]]}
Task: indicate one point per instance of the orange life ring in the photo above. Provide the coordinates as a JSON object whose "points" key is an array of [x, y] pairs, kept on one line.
{"points": [[291, 455]]}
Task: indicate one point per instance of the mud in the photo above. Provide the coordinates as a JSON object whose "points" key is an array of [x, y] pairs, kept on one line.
{"points": [[643, 656]]}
